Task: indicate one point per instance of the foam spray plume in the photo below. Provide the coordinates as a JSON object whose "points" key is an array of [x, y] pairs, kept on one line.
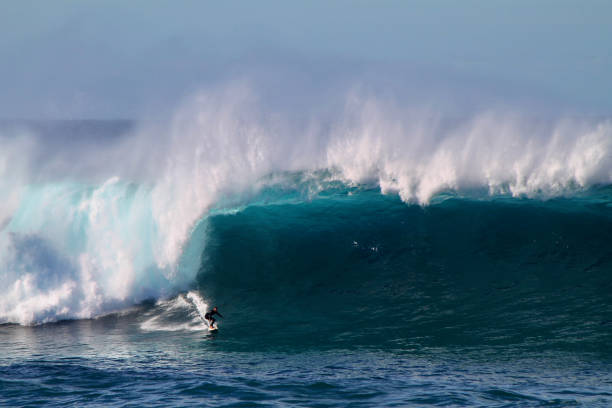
{"points": [[95, 226]]}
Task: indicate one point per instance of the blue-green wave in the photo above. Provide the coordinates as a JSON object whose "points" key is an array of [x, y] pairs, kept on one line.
{"points": [[360, 268]]}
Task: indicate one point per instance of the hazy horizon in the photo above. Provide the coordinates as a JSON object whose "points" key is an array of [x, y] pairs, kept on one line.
{"points": [[72, 60]]}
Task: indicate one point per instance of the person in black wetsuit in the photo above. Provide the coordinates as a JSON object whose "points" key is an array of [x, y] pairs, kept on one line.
{"points": [[209, 316]]}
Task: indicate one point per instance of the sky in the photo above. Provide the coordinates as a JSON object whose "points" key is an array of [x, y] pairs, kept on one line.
{"points": [[70, 59]]}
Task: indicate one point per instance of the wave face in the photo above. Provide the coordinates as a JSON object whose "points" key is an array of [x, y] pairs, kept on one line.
{"points": [[98, 216], [369, 270]]}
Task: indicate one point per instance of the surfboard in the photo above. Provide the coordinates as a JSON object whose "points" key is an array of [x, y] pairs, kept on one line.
{"points": [[213, 329]]}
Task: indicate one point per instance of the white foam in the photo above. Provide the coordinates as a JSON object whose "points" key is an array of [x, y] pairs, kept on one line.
{"points": [[199, 303], [181, 313]]}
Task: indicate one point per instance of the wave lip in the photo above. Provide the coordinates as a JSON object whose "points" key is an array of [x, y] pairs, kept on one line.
{"points": [[498, 153]]}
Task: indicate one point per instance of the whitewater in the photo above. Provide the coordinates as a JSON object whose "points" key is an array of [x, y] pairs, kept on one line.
{"points": [[108, 222]]}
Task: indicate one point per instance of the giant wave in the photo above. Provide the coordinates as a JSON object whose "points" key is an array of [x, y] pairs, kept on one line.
{"points": [[92, 223]]}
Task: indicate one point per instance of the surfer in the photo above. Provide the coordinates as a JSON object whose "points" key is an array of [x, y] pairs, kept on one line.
{"points": [[209, 317]]}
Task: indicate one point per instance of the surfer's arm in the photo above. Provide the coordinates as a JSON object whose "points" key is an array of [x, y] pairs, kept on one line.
{"points": [[220, 315]]}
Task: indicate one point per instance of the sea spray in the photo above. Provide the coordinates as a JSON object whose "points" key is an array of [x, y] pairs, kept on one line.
{"points": [[182, 312]]}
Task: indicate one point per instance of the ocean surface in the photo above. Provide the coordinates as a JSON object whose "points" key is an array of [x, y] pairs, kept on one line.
{"points": [[386, 288]]}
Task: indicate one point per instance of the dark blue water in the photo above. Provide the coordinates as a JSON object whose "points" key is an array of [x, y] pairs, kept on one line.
{"points": [[355, 300]]}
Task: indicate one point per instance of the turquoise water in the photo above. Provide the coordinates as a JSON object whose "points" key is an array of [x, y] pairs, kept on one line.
{"points": [[354, 298]]}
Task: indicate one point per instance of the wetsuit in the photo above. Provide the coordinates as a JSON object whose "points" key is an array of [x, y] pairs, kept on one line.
{"points": [[209, 316]]}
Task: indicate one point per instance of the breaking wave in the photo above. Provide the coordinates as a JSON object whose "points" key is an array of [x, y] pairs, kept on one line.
{"points": [[97, 220]]}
